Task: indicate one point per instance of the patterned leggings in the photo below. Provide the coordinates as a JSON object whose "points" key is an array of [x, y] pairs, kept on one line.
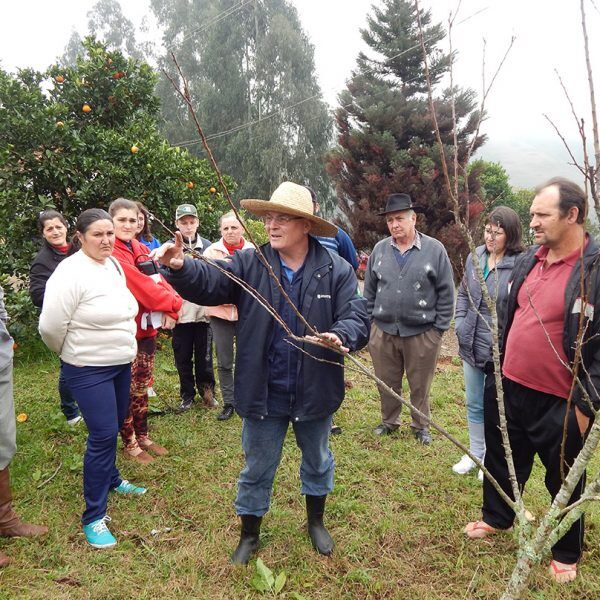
{"points": [[135, 426]]}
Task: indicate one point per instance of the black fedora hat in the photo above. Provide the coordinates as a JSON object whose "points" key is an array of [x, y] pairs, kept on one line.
{"points": [[396, 202]]}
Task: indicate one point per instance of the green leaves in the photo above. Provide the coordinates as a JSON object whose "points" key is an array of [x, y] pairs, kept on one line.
{"points": [[264, 581], [252, 78], [56, 155]]}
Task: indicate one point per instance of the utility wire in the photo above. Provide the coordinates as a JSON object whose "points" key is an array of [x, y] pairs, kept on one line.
{"points": [[216, 135], [210, 23], [286, 108]]}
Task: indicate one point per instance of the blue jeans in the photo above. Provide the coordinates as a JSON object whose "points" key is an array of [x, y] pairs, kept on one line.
{"points": [[474, 385], [262, 442], [102, 394], [67, 402]]}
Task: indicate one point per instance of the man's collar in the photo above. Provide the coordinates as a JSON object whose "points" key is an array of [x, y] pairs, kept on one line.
{"points": [[415, 244], [571, 259]]}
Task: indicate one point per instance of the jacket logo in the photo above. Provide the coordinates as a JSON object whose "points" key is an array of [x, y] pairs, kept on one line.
{"points": [[323, 296]]}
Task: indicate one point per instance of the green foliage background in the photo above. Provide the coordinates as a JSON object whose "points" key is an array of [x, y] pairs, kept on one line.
{"points": [[57, 155], [386, 139]]}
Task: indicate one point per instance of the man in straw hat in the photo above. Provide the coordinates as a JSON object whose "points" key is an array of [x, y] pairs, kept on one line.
{"points": [[281, 382], [409, 287]]}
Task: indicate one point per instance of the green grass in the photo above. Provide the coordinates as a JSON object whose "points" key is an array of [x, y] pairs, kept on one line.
{"points": [[396, 514]]}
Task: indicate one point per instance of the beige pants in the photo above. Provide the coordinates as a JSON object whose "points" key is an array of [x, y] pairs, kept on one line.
{"points": [[417, 356]]}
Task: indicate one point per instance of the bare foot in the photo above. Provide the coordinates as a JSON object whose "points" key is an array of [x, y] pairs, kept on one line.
{"points": [[477, 530], [562, 572]]}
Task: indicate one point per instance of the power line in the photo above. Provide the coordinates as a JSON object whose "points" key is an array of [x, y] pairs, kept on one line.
{"points": [[284, 109], [213, 21], [248, 124]]}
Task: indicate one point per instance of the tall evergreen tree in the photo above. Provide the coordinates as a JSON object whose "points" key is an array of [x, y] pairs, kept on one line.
{"points": [[107, 23], [386, 137], [251, 74]]}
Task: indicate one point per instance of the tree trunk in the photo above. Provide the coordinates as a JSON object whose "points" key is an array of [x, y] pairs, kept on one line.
{"points": [[519, 578]]}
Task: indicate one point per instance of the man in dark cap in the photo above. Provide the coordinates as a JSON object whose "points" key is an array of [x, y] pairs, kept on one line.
{"points": [[409, 289]]}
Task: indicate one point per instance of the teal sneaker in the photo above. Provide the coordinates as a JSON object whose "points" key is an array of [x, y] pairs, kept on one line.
{"points": [[128, 488], [98, 535]]}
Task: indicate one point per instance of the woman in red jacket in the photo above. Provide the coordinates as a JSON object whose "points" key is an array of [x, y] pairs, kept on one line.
{"points": [[158, 306]]}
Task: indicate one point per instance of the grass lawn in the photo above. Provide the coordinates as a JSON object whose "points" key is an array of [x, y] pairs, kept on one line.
{"points": [[396, 514]]}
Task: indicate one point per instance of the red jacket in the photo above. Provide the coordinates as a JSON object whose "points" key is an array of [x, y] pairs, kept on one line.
{"points": [[151, 296]]}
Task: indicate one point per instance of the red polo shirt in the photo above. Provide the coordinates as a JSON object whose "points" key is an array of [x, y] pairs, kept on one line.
{"points": [[532, 350]]}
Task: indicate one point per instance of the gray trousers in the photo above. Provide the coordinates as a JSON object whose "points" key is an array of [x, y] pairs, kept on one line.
{"points": [[8, 430], [393, 356], [223, 337]]}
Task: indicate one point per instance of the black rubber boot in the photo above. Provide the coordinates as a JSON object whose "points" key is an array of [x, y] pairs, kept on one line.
{"points": [[250, 531], [319, 536]]}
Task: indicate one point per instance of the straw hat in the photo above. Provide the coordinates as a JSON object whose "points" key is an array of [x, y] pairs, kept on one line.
{"points": [[292, 199]]}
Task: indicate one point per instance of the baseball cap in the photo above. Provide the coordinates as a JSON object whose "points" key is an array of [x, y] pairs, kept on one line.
{"points": [[185, 210]]}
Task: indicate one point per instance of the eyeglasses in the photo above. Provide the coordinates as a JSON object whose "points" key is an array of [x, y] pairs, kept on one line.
{"points": [[489, 231], [279, 219]]}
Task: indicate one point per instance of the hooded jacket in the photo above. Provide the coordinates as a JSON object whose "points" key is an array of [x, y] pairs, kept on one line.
{"points": [[329, 301]]}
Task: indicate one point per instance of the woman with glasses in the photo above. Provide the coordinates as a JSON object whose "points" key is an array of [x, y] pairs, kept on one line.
{"points": [[503, 242]]}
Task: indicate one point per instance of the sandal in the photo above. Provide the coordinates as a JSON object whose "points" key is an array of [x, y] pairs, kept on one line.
{"points": [[562, 572], [478, 530]]}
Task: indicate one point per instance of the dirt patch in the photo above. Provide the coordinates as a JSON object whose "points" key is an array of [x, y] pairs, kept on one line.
{"points": [[449, 347]]}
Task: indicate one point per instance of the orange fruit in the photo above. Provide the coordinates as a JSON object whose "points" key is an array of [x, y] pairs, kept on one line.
{"points": [[59, 79], [22, 417], [213, 190], [86, 108], [190, 185], [15, 345], [134, 149]]}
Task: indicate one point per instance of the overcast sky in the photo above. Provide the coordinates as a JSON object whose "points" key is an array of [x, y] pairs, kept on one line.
{"points": [[33, 33]]}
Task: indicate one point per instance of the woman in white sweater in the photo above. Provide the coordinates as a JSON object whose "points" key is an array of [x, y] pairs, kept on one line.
{"points": [[88, 318]]}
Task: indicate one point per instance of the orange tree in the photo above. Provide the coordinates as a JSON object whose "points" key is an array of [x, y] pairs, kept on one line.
{"points": [[78, 137]]}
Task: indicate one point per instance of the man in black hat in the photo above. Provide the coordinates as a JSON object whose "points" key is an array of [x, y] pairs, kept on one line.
{"points": [[409, 289]]}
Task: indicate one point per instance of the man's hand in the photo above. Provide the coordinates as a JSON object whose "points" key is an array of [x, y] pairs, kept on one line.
{"points": [[330, 337], [169, 254], [168, 322], [582, 421]]}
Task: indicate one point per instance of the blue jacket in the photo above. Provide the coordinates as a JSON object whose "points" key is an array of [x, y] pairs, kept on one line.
{"points": [[472, 315], [341, 244], [330, 301]]}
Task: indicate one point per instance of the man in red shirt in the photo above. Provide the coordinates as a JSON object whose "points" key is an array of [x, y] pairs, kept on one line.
{"points": [[541, 330]]}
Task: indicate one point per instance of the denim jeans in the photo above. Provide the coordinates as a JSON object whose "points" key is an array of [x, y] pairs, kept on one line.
{"points": [[474, 386], [102, 394], [262, 442], [67, 402]]}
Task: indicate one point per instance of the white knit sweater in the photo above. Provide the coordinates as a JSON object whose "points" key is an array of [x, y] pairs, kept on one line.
{"points": [[88, 316]]}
